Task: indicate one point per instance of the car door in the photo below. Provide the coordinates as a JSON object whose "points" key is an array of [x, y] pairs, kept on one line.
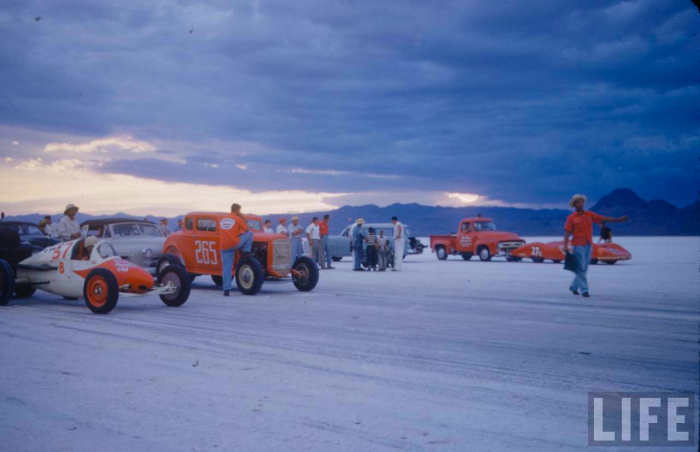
{"points": [[465, 242]]}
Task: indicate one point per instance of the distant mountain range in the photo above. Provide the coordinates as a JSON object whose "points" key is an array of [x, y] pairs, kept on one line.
{"points": [[654, 218]]}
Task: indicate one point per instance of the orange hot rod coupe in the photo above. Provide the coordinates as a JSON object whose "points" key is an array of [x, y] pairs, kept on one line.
{"points": [[610, 253], [197, 248]]}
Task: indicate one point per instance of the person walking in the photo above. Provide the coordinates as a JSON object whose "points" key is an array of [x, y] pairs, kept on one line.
{"points": [[371, 241], [382, 250], [358, 239], [268, 227], [68, 227], [325, 241], [313, 234], [235, 235], [295, 234], [399, 246], [579, 225], [605, 233]]}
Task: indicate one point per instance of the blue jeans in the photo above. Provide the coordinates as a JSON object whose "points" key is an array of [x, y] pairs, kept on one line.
{"points": [[245, 242], [582, 255], [358, 258], [327, 249], [297, 249]]}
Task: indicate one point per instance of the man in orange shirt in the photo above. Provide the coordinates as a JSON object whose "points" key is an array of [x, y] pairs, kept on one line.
{"points": [[234, 236], [580, 225]]}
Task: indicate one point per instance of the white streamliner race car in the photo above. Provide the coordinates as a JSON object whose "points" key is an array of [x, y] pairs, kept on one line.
{"points": [[98, 275]]}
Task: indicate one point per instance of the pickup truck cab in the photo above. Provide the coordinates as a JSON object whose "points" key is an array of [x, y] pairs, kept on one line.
{"points": [[476, 236], [197, 248]]}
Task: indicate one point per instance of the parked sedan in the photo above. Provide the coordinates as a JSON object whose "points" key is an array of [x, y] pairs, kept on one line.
{"points": [[340, 244], [140, 242], [30, 233]]}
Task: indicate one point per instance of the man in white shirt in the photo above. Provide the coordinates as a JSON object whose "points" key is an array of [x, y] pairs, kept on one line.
{"points": [[268, 227], [398, 244], [313, 233], [51, 227], [68, 227], [282, 227], [295, 234]]}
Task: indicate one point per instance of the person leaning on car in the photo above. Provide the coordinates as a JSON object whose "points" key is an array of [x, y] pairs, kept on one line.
{"points": [[234, 236], [68, 227], [580, 225]]}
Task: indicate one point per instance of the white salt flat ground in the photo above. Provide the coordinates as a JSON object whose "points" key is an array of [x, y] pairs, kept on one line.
{"points": [[448, 355]]}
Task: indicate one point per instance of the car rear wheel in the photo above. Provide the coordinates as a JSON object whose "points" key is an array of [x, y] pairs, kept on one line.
{"points": [[557, 261], [24, 291], [307, 274], [467, 256], [164, 261], [218, 280], [337, 258], [441, 252], [249, 276], [484, 253], [594, 261], [538, 260], [611, 262], [101, 291], [177, 276], [7, 282]]}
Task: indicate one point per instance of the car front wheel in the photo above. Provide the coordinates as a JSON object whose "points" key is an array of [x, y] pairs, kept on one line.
{"points": [[177, 277], [484, 254], [441, 253], [306, 276], [101, 291], [7, 282]]}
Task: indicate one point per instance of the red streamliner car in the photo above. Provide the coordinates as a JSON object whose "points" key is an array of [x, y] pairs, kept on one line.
{"points": [[610, 253]]}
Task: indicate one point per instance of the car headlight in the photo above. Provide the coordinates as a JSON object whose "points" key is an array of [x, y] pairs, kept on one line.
{"points": [[148, 253]]}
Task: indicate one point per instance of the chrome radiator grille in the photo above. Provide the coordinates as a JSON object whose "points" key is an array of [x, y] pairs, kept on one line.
{"points": [[282, 255]]}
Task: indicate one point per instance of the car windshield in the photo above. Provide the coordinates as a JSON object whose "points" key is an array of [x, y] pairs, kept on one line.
{"points": [[135, 230], [27, 229], [106, 250], [150, 230], [254, 224], [484, 226]]}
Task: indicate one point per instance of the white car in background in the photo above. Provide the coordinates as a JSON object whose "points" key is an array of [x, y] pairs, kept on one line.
{"points": [[139, 242]]}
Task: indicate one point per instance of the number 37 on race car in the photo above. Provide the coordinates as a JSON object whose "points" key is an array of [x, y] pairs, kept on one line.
{"points": [[90, 269]]}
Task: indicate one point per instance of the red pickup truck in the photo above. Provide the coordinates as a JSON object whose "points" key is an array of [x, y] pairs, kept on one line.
{"points": [[476, 236]]}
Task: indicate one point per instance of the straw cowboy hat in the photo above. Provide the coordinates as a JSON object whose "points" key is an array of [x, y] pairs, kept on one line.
{"points": [[360, 221], [576, 198], [69, 207]]}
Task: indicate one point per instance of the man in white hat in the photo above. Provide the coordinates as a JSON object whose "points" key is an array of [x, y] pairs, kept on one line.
{"points": [[579, 225], [296, 232], [68, 227], [358, 240], [399, 244]]}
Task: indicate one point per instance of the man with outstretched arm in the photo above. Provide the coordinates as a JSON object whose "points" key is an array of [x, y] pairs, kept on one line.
{"points": [[579, 225]]}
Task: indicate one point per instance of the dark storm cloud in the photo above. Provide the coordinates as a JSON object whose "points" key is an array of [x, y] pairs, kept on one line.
{"points": [[519, 101]]}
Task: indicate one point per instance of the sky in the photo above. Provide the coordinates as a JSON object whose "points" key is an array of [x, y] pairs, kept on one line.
{"points": [[164, 107]]}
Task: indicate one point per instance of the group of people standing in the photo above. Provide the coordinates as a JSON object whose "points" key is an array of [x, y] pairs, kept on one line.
{"points": [[317, 235], [376, 247], [67, 228]]}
